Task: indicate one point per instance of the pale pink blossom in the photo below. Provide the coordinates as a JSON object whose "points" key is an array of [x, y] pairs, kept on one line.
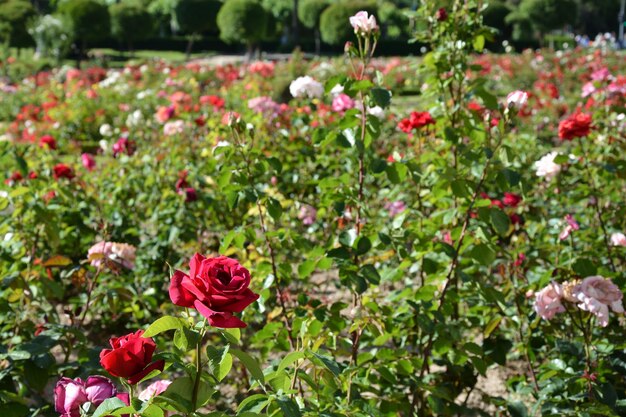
{"points": [[112, 254], [618, 239], [154, 389], [548, 301], [363, 24], [174, 128], [588, 89], [264, 105], [546, 167], [517, 99], [596, 294]]}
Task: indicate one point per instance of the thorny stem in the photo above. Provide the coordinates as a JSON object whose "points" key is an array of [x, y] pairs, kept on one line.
{"points": [[196, 383], [451, 271], [270, 246], [596, 204]]}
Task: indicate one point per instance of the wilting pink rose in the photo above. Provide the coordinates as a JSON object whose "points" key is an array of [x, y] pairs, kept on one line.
{"points": [[596, 294], [88, 161], [394, 208], [363, 23], [571, 225], [548, 301], [112, 254], [154, 389], [307, 214], [216, 287], [342, 102], [618, 239]]}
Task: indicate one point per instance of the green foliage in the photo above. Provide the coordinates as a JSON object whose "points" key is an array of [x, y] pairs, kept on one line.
{"points": [[130, 22], [495, 16], [15, 15], [393, 19], [310, 11], [242, 21], [196, 16], [334, 21], [89, 19], [546, 15]]}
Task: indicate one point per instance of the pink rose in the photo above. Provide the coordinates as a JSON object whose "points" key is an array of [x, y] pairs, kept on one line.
{"points": [[596, 294], [71, 394], [154, 389], [342, 102], [618, 239], [363, 23], [98, 389], [307, 214], [571, 225], [548, 301], [88, 161], [517, 99]]}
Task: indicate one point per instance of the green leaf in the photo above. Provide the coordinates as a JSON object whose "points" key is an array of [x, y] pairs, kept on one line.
{"points": [[220, 361], [500, 221], [478, 43], [289, 359], [108, 406], [251, 365], [381, 96], [289, 407], [232, 335], [328, 362], [493, 324], [306, 268], [274, 208], [584, 267], [483, 254], [164, 324]]}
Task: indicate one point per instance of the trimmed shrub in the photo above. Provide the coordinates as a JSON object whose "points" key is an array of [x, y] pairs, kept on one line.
{"points": [[196, 16], [130, 22], [310, 11], [242, 21], [89, 19], [334, 22], [14, 15]]}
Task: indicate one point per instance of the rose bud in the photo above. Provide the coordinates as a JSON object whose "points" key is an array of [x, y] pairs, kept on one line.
{"points": [[69, 395], [216, 288], [98, 389], [130, 357]]}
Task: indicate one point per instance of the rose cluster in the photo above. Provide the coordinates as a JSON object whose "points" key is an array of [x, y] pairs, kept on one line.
{"points": [[416, 120], [594, 294]]}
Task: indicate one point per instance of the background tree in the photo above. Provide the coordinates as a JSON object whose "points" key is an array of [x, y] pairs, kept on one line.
{"points": [[394, 23], [89, 21], [547, 15], [242, 21], [309, 13], [195, 17], [15, 15], [334, 26], [130, 22], [495, 16]]}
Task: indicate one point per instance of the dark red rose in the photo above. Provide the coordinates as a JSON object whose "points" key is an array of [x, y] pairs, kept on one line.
{"points": [[575, 126], [130, 357], [48, 141], [190, 195], [511, 199], [62, 171], [216, 287], [15, 177], [441, 14]]}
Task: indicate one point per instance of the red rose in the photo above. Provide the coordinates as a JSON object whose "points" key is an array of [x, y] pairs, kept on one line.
{"points": [[575, 126], [62, 171], [511, 199], [421, 119], [216, 287], [48, 141], [130, 357]]}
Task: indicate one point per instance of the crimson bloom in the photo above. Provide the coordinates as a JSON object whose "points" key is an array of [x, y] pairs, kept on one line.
{"points": [[575, 126], [62, 171], [216, 288], [511, 199], [48, 141], [416, 120], [130, 357]]}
